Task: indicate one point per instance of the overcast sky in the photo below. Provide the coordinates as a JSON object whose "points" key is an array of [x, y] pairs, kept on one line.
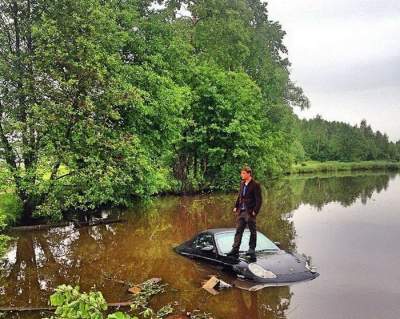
{"points": [[345, 54]]}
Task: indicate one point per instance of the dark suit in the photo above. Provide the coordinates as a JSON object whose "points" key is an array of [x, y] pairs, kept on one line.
{"points": [[251, 200]]}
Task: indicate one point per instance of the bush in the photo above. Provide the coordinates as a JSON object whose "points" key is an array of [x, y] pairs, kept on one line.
{"points": [[10, 209], [70, 303], [4, 240]]}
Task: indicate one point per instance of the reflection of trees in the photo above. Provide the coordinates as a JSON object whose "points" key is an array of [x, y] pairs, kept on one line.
{"points": [[285, 195], [134, 251], [24, 274], [39, 261], [279, 200], [268, 303], [142, 247], [346, 190]]}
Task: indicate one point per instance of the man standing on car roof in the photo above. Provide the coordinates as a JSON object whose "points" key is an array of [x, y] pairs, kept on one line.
{"points": [[247, 206]]}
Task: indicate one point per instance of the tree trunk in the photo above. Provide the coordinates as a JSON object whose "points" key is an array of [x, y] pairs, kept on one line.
{"points": [[27, 211]]}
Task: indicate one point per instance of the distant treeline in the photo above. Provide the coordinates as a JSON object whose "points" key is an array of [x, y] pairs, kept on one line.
{"points": [[105, 101], [336, 141]]}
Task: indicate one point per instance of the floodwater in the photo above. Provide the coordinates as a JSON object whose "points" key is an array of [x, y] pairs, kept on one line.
{"points": [[348, 224]]}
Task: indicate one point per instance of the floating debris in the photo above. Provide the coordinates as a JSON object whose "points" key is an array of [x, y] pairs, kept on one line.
{"points": [[197, 315], [135, 290], [144, 291], [214, 285]]}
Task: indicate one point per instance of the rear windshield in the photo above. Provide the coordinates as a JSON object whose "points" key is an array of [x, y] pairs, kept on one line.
{"points": [[225, 241]]}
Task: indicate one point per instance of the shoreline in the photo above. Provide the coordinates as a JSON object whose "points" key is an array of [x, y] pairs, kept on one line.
{"points": [[305, 168], [335, 166]]}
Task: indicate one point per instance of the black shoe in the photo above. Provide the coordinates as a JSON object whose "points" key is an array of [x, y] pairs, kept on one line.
{"points": [[251, 252], [233, 253]]}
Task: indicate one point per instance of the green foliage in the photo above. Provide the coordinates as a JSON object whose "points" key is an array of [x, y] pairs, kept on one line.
{"points": [[224, 128], [124, 101], [4, 241], [119, 315], [108, 119], [298, 152], [70, 303], [332, 166], [6, 179], [222, 33], [242, 96], [10, 209], [121, 101], [336, 141], [201, 315], [140, 300], [164, 311]]}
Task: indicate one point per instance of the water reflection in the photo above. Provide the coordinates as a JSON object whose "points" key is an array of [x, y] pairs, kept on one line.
{"points": [[141, 248], [320, 190]]}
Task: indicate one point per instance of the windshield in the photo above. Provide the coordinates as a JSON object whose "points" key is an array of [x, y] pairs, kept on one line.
{"points": [[225, 241]]}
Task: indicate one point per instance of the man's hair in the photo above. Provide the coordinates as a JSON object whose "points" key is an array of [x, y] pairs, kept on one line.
{"points": [[247, 169]]}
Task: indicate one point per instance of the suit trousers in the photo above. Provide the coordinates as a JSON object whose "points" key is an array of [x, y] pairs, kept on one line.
{"points": [[244, 218]]}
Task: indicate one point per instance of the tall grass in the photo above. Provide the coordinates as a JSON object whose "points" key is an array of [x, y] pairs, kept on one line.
{"points": [[334, 166]]}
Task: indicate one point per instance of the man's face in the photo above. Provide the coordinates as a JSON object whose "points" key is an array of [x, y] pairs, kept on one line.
{"points": [[245, 176]]}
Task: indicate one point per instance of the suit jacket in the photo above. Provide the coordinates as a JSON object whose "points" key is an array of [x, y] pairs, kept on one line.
{"points": [[252, 199]]}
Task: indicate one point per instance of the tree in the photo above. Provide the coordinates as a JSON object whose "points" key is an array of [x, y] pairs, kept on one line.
{"points": [[224, 129], [123, 100], [75, 113], [238, 36], [323, 140]]}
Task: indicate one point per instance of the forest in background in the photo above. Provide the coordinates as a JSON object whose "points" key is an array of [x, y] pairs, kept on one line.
{"points": [[102, 102], [322, 140]]}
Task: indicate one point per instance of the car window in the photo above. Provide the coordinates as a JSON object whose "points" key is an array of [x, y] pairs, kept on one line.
{"points": [[225, 241], [203, 240]]}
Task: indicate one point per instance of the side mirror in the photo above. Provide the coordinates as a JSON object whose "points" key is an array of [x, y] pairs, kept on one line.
{"points": [[207, 248], [277, 243]]}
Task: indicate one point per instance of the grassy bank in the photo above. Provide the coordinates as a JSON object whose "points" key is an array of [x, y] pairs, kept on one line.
{"points": [[334, 166]]}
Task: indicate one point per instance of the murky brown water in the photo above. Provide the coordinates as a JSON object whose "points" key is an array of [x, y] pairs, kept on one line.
{"points": [[349, 225]]}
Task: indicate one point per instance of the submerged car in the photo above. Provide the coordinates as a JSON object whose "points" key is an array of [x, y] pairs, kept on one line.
{"points": [[269, 266]]}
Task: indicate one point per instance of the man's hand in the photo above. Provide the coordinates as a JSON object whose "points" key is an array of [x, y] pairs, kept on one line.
{"points": [[253, 213], [234, 210]]}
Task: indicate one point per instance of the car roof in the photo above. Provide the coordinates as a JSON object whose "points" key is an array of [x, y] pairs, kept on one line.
{"points": [[219, 230]]}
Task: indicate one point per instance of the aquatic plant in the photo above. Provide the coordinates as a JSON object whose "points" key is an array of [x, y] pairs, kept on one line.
{"points": [[143, 292], [70, 303]]}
